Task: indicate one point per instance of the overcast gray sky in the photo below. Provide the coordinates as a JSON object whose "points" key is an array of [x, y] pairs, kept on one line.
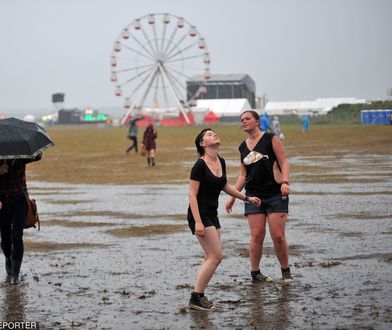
{"points": [[293, 49]]}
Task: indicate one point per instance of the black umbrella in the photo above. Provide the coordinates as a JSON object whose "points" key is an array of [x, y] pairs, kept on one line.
{"points": [[22, 139], [135, 119]]}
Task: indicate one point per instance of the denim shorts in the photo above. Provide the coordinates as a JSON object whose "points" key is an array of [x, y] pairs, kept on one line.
{"points": [[273, 204]]}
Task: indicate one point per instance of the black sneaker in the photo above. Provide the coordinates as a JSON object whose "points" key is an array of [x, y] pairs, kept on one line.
{"points": [[200, 303], [258, 277], [286, 276]]}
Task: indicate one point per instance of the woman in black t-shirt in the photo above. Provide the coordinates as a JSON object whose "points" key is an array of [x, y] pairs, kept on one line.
{"points": [[265, 174], [208, 179]]}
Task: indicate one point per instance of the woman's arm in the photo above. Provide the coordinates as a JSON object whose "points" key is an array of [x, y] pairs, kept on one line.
{"points": [[284, 165], [229, 189], [238, 185], [193, 190]]}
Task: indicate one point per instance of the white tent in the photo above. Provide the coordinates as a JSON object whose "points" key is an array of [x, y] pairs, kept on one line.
{"points": [[319, 106], [224, 107]]}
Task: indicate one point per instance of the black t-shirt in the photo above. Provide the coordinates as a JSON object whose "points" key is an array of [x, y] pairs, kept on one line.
{"points": [[259, 167], [209, 190]]}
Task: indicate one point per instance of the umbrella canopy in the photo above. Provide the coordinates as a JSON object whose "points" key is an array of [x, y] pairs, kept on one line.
{"points": [[135, 119], [22, 139]]}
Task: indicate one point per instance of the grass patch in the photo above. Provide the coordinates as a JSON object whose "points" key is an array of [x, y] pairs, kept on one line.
{"points": [[51, 246], [65, 202], [75, 224], [145, 230], [91, 155]]}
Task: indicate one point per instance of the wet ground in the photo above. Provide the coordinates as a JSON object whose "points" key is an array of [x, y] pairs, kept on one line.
{"points": [[121, 257]]}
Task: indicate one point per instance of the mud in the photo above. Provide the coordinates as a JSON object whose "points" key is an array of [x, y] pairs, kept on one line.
{"points": [[77, 274]]}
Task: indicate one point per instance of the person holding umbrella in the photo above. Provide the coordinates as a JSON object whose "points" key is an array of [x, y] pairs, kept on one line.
{"points": [[20, 143], [13, 210], [132, 135], [133, 132]]}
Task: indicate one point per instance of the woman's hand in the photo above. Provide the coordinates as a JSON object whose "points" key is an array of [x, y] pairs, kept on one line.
{"points": [[285, 189], [229, 205], [199, 229], [255, 200]]}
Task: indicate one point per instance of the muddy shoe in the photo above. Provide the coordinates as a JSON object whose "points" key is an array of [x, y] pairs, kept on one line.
{"points": [[200, 302], [286, 276], [258, 277], [15, 269]]}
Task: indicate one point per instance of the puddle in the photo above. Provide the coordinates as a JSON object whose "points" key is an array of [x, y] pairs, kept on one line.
{"points": [[122, 257]]}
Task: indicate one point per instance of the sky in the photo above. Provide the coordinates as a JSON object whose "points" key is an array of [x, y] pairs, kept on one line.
{"points": [[293, 49]]}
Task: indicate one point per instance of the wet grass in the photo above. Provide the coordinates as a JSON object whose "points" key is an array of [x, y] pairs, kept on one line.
{"points": [[358, 216], [336, 178], [65, 202], [87, 154], [145, 230], [347, 193], [103, 214], [52, 246], [75, 224]]}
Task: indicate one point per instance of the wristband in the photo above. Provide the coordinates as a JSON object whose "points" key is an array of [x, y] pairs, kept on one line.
{"points": [[286, 182], [246, 199]]}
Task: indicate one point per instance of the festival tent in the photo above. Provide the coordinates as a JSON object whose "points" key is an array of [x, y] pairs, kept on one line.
{"points": [[177, 121], [225, 108], [211, 118], [320, 106]]}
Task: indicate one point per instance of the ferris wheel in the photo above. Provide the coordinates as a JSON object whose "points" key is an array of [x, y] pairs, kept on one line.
{"points": [[153, 58]]}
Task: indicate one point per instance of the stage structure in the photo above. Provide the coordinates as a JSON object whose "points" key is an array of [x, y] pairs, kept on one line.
{"points": [[58, 101], [152, 59], [225, 86]]}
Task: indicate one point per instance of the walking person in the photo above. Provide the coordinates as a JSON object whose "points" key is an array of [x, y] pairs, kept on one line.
{"points": [[13, 211], [207, 180], [132, 135], [275, 126], [149, 144], [305, 124], [265, 123], [265, 174]]}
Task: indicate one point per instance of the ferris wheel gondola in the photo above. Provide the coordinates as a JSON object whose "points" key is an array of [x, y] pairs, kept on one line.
{"points": [[152, 59]]}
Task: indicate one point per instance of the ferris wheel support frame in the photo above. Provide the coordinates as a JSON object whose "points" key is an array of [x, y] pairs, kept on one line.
{"points": [[150, 80], [172, 89], [174, 93]]}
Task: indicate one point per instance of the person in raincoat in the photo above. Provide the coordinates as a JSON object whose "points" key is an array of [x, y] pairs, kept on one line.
{"points": [[305, 123], [265, 123], [275, 127]]}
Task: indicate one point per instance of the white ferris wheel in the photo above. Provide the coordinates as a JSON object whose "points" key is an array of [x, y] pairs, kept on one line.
{"points": [[152, 59]]}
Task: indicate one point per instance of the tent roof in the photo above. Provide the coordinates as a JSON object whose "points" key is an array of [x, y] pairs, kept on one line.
{"points": [[224, 107], [322, 105]]}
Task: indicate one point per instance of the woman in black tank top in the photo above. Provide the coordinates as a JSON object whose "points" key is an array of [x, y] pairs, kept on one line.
{"points": [[208, 179], [265, 174]]}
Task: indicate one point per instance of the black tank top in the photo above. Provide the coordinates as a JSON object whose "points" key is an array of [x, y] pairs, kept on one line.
{"points": [[259, 167]]}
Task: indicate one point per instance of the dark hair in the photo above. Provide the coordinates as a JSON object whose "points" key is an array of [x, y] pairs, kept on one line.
{"points": [[255, 115], [199, 138]]}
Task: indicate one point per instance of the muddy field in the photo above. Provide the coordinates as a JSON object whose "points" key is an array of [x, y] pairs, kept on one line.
{"points": [[112, 256]]}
